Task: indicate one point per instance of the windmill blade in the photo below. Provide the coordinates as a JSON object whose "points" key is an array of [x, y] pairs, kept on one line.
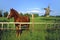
{"points": [[43, 8], [52, 10]]}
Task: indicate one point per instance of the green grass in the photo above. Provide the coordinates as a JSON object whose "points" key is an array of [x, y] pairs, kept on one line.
{"points": [[40, 31]]}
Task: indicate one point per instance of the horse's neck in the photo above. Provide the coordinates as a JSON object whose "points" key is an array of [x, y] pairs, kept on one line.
{"points": [[16, 16]]}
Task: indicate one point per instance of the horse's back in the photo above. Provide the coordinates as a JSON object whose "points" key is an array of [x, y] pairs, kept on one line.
{"points": [[25, 19]]}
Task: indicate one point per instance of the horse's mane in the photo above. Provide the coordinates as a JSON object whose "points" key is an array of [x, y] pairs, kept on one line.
{"points": [[15, 12]]}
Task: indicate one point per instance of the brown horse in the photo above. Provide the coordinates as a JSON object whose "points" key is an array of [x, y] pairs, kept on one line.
{"points": [[19, 18]]}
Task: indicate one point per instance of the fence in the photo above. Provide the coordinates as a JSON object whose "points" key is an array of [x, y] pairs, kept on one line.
{"points": [[41, 31], [24, 23]]}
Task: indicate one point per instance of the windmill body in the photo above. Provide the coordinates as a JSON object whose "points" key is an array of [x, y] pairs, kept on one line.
{"points": [[47, 11]]}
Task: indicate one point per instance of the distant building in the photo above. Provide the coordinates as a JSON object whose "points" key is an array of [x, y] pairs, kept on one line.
{"points": [[47, 11]]}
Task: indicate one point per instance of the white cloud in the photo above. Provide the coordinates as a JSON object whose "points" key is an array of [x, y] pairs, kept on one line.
{"points": [[32, 8], [36, 8], [33, 11]]}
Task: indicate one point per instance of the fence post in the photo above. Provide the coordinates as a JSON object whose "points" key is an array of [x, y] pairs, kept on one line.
{"points": [[32, 22]]}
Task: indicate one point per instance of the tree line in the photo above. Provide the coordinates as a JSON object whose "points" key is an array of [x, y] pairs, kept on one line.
{"points": [[4, 14]]}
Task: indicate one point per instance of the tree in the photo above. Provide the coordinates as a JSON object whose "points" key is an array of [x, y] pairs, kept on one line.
{"points": [[36, 14], [27, 14], [5, 14], [21, 14], [0, 13]]}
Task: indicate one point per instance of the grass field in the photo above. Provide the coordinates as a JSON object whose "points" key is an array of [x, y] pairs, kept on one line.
{"points": [[40, 32]]}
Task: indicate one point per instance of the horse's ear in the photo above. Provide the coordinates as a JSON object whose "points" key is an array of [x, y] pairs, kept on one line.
{"points": [[11, 8]]}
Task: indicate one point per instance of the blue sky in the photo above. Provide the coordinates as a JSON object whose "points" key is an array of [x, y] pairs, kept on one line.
{"points": [[31, 6]]}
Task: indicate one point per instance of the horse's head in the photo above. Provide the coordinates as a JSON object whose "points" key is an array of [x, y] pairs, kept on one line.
{"points": [[11, 14]]}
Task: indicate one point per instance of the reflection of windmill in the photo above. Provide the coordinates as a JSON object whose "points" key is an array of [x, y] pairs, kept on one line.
{"points": [[47, 11]]}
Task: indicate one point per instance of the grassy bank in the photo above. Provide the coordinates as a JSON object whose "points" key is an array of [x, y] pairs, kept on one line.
{"points": [[41, 31]]}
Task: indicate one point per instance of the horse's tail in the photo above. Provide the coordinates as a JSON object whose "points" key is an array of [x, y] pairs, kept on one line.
{"points": [[29, 19]]}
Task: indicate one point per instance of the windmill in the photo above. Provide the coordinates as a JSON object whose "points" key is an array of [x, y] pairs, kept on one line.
{"points": [[47, 11]]}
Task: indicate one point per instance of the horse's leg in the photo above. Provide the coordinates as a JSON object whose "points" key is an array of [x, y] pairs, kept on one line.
{"points": [[17, 31], [20, 30], [27, 27]]}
